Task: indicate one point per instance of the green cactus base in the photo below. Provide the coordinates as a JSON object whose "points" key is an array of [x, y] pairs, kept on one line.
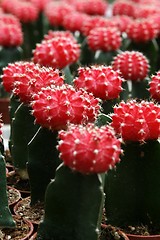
{"points": [[42, 162], [6, 219], [23, 129], [73, 207], [132, 190]]}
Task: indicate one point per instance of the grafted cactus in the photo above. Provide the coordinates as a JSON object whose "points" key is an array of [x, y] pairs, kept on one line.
{"points": [[53, 109], [134, 68], [87, 152], [132, 189]]}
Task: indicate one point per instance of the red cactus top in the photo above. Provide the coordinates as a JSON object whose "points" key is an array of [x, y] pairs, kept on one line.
{"points": [[10, 34], [102, 81], [89, 149], [155, 86], [104, 38], [137, 121], [55, 107], [57, 52], [124, 7], [24, 10], [133, 65], [142, 30], [99, 7], [56, 11], [26, 78]]}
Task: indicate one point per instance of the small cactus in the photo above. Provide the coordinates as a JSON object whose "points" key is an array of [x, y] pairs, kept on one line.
{"points": [[137, 121], [133, 65], [124, 7], [134, 68], [135, 182], [86, 151]]}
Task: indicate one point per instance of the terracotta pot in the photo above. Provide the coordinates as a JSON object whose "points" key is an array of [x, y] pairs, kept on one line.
{"points": [[4, 110], [23, 231], [34, 236], [119, 232], [140, 237]]}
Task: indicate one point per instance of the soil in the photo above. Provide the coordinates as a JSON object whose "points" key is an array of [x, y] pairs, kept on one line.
{"points": [[33, 213], [13, 195], [111, 233], [21, 230]]}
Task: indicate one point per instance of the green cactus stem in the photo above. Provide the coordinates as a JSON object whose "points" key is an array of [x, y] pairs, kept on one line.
{"points": [[107, 106], [29, 40], [13, 105], [132, 189], [73, 206], [87, 56], [6, 219], [42, 162], [101, 57], [23, 129], [135, 89]]}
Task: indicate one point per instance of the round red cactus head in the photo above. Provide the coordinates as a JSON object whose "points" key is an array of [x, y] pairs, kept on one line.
{"points": [[124, 7], [99, 7], [104, 38], [133, 65], [12, 71], [137, 121], [102, 81], [11, 35], [9, 18], [25, 11], [27, 78], [57, 52], [142, 30], [74, 21], [55, 107], [56, 11], [96, 22], [89, 149], [155, 86]]}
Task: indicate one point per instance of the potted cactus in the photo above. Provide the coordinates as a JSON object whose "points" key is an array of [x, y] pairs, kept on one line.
{"points": [[87, 153], [132, 190]]}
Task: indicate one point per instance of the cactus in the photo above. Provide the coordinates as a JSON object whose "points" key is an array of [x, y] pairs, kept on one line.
{"points": [[69, 213], [103, 82], [134, 68], [142, 34], [132, 190]]}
